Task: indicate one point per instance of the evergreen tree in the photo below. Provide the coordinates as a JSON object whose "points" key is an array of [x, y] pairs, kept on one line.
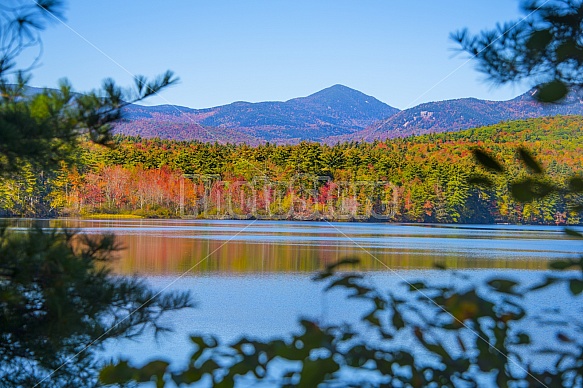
{"points": [[58, 300]]}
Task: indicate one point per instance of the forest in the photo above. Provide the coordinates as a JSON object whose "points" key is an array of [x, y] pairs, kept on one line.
{"points": [[415, 179]]}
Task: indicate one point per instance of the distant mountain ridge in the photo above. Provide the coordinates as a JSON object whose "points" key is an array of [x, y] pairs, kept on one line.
{"points": [[464, 113], [337, 110], [332, 115]]}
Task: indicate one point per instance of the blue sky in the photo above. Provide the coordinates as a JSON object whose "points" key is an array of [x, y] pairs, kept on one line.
{"points": [[271, 50]]}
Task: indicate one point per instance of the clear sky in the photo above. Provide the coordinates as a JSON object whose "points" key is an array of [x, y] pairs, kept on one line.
{"points": [[272, 50]]}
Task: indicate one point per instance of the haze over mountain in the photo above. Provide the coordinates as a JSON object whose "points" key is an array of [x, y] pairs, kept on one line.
{"points": [[335, 111]]}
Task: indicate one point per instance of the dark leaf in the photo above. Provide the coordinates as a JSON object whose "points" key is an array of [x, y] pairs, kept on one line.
{"points": [[436, 349], [397, 320], [348, 281], [548, 281], [551, 91], [373, 319], [576, 286], [322, 275], [189, 376], [539, 40], [487, 161], [350, 261], [417, 286], [503, 285], [528, 190], [523, 339], [576, 184], [529, 161], [386, 335], [461, 343], [560, 264], [317, 371], [569, 50], [573, 232], [119, 373], [150, 370], [209, 366]]}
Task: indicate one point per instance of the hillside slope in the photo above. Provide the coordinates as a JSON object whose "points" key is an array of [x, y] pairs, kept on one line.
{"points": [[455, 115]]}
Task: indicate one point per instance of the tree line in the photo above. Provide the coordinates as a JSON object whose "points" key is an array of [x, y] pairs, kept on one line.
{"points": [[416, 179]]}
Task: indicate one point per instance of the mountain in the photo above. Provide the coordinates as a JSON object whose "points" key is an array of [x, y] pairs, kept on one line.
{"points": [[465, 113], [332, 115], [337, 110], [176, 123]]}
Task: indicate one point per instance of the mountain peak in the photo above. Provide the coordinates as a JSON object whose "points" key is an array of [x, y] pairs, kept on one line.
{"points": [[336, 110], [342, 98], [347, 107], [340, 88], [338, 91]]}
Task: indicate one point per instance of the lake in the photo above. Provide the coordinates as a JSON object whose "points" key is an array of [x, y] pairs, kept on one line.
{"points": [[225, 248], [254, 277]]}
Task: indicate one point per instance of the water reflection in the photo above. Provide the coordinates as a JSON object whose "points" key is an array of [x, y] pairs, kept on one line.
{"points": [[166, 247]]}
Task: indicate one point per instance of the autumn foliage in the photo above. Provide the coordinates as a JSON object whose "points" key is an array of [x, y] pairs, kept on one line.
{"points": [[416, 179]]}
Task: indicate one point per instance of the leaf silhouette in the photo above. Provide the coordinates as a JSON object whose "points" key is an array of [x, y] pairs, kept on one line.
{"points": [[552, 91], [487, 161], [529, 161]]}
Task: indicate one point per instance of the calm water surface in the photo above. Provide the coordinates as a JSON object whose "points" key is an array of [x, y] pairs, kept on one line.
{"points": [[170, 247], [253, 277]]}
